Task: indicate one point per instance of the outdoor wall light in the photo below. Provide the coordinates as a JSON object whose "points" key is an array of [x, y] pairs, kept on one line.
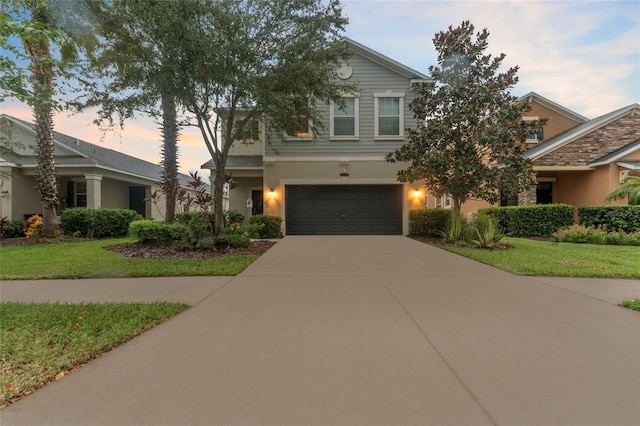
{"points": [[417, 193], [272, 193]]}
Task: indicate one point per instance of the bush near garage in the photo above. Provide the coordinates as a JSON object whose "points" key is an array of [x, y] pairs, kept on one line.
{"points": [[614, 218], [540, 220], [429, 222], [271, 225], [97, 223]]}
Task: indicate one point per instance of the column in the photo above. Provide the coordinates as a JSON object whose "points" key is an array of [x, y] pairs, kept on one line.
{"points": [[94, 191]]}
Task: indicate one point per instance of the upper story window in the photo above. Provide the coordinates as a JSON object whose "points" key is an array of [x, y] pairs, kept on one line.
{"points": [[535, 135], [299, 127], [251, 131], [389, 115], [345, 118]]}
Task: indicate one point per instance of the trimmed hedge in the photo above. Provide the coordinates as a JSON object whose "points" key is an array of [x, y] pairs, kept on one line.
{"points": [[428, 222], [539, 220], [97, 223], [156, 231], [615, 218], [272, 225]]}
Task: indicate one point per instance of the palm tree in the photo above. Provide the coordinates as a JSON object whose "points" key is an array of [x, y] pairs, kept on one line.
{"points": [[42, 80], [630, 189]]}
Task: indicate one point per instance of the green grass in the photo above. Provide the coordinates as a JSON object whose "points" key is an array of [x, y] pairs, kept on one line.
{"points": [[88, 259], [633, 304], [42, 341], [541, 258]]}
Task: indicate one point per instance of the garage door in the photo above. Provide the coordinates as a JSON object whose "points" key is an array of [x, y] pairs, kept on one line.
{"points": [[343, 209]]}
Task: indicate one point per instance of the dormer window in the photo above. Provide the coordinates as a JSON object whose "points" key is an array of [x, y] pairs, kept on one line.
{"points": [[535, 135]]}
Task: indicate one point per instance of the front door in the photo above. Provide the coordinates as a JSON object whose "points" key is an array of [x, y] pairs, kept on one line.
{"points": [[544, 194], [258, 206]]}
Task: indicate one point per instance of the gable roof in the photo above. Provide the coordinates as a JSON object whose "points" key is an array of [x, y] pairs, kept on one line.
{"points": [[575, 132], [553, 106], [385, 61], [93, 156], [617, 154]]}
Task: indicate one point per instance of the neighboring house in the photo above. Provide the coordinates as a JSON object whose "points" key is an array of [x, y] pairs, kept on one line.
{"points": [[88, 175], [337, 182]]}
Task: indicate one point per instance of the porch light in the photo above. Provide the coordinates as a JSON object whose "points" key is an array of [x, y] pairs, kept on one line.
{"points": [[417, 193], [272, 193]]}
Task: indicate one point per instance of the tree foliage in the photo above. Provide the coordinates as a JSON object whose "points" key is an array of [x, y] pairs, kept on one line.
{"points": [[630, 189], [39, 33], [245, 60], [469, 133]]}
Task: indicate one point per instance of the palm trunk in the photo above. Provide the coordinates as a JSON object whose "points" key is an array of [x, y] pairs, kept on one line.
{"points": [[42, 78], [170, 155]]}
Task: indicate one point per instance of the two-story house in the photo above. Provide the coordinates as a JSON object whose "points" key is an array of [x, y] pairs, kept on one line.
{"points": [[336, 181]]}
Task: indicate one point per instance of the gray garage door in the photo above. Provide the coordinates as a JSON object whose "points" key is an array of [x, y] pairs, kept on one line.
{"points": [[343, 209]]}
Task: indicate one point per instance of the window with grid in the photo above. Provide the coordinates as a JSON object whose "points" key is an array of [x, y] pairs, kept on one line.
{"points": [[344, 118], [299, 127], [389, 115]]}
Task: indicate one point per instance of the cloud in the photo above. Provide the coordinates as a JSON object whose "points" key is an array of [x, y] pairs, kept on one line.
{"points": [[582, 55]]}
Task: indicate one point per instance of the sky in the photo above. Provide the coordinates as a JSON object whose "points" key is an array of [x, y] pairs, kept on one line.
{"points": [[582, 55]]}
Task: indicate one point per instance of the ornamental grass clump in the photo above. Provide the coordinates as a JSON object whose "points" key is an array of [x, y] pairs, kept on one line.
{"points": [[596, 235]]}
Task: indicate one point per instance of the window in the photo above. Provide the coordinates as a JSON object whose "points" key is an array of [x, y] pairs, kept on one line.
{"points": [[251, 131], [535, 135], [299, 126], [80, 194], [345, 118], [389, 115], [439, 202]]}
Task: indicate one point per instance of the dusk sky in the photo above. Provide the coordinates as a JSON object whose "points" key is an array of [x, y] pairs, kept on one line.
{"points": [[582, 55]]}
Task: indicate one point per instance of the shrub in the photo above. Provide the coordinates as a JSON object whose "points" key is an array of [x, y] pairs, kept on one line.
{"points": [[591, 235], [11, 228], [483, 231], [97, 223], [250, 231], [455, 227], [539, 220], [33, 226], [428, 222], [156, 231], [75, 221], [615, 218], [232, 216], [271, 225], [224, 241]]}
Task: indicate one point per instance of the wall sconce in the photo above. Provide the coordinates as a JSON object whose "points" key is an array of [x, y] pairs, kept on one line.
{"points": [[344, 172], [272, 193], [417, 193]]}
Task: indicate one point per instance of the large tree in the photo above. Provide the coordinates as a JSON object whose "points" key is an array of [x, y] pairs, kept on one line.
{"points": [[40, 26], [135, 70], [249, 59], [469, 134]]}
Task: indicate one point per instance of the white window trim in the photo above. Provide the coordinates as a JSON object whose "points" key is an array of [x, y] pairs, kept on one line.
{"points": [[376, 125], [529, 139], [356, 106]]}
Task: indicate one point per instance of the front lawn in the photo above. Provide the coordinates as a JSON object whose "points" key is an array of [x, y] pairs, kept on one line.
{"points": [[89, 259], [41, 342], [542, 258]]}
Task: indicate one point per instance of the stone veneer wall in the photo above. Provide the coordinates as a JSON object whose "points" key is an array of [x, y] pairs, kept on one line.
{"points": [[596, 144], [528, 197]]}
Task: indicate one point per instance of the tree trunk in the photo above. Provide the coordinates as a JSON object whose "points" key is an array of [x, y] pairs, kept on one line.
{"points": [[170, 155], [42, 77], [218, 212]]}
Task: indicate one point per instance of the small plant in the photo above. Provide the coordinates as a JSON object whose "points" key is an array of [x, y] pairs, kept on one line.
{"points": [[33, 226], [233, 217], [599, 235], [487, 232], [633, 304], [455, 228]]}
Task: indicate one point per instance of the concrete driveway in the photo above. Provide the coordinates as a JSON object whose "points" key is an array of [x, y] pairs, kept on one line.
{"points": [[356, 331]]}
